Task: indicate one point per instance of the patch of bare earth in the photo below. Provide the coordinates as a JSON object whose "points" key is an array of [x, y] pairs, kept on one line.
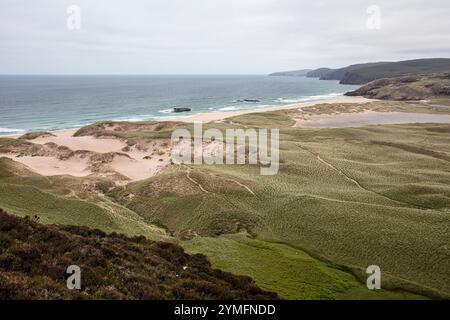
{"points": [[63, 154]]}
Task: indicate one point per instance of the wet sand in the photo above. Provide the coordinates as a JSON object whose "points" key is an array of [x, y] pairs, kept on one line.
{"points": [[345, 120]]}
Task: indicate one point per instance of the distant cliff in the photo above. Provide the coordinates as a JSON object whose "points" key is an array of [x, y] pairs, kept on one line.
{"points": [[341, 73], [295, 73], [367, 72], [318, 73]]}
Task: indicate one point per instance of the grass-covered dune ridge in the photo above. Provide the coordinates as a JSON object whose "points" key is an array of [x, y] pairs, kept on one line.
{"points": [[344, 199], [343, 194]]}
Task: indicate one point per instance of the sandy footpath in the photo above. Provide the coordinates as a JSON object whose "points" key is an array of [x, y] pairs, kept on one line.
{"points": [[134, 164]]}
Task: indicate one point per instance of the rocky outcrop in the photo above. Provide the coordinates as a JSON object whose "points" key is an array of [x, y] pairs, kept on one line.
{"points": [[409, 87]]}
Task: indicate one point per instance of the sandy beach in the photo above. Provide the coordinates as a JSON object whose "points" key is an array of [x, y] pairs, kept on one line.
{"points": [[220, 115], [132, 163]]}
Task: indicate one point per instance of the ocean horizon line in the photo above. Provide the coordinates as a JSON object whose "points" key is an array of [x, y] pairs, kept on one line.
{"points": [[128, 74], [54, 102]]}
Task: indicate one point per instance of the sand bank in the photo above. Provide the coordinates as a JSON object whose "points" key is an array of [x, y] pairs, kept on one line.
{"points": [[365, 118]]}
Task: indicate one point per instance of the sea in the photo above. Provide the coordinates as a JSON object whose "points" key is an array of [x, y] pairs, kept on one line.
{"points": [[47, 103]]}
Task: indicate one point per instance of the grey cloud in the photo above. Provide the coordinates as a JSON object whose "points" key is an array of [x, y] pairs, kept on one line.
{"points": [[219, 36]]}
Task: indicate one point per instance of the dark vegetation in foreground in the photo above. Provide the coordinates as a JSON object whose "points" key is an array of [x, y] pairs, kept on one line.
{"points": [[34, 258]]}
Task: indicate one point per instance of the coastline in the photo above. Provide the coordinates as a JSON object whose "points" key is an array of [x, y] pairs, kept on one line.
{"points": [[133, 163], [221, 115]]}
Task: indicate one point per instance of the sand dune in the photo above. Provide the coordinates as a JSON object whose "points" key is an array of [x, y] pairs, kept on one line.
{"points": [[66, 138], [134, 164], [51, 166]]}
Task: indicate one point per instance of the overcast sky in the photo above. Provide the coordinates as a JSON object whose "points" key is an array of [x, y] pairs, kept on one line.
{"points": [[215, 36]]}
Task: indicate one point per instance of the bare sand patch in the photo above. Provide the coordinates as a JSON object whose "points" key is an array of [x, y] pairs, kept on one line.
{"points": [[90, 143], [358, 119], [51, 166], [140, 165]]}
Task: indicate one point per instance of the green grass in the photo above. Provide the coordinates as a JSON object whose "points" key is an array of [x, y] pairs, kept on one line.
{"points": [[375, 204], [54, 200], [290, 272], [343, 199]]}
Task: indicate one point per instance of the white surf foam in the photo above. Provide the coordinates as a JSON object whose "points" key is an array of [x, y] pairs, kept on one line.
{"points": [[309, 98], [231, 108], [10, 131], [166, 110]]}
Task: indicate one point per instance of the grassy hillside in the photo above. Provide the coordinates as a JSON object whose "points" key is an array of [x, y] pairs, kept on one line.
{"points": [[343, 199], [348, 195], [34, 259], [67, 200], [291, 272]]}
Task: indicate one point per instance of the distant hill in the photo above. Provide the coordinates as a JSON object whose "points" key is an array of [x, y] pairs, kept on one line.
{"points": [[318, 73], [410, 87], [366, 72], [339, 74], [296, 73], [34, 259]]}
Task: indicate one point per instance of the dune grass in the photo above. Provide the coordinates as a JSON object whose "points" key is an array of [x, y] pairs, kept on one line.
{"points": [[348, 195], [55, 200], [343, 199], [290, 272]]}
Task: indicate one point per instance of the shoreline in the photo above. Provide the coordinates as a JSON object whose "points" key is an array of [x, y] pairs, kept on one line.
{"points": [[137, 163], [218, 115], [132, 163]]}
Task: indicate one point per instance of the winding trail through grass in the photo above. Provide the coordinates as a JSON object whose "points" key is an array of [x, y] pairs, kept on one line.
{"points": [[195, 182], [242, 185], [237, 182], [355, 182]]}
